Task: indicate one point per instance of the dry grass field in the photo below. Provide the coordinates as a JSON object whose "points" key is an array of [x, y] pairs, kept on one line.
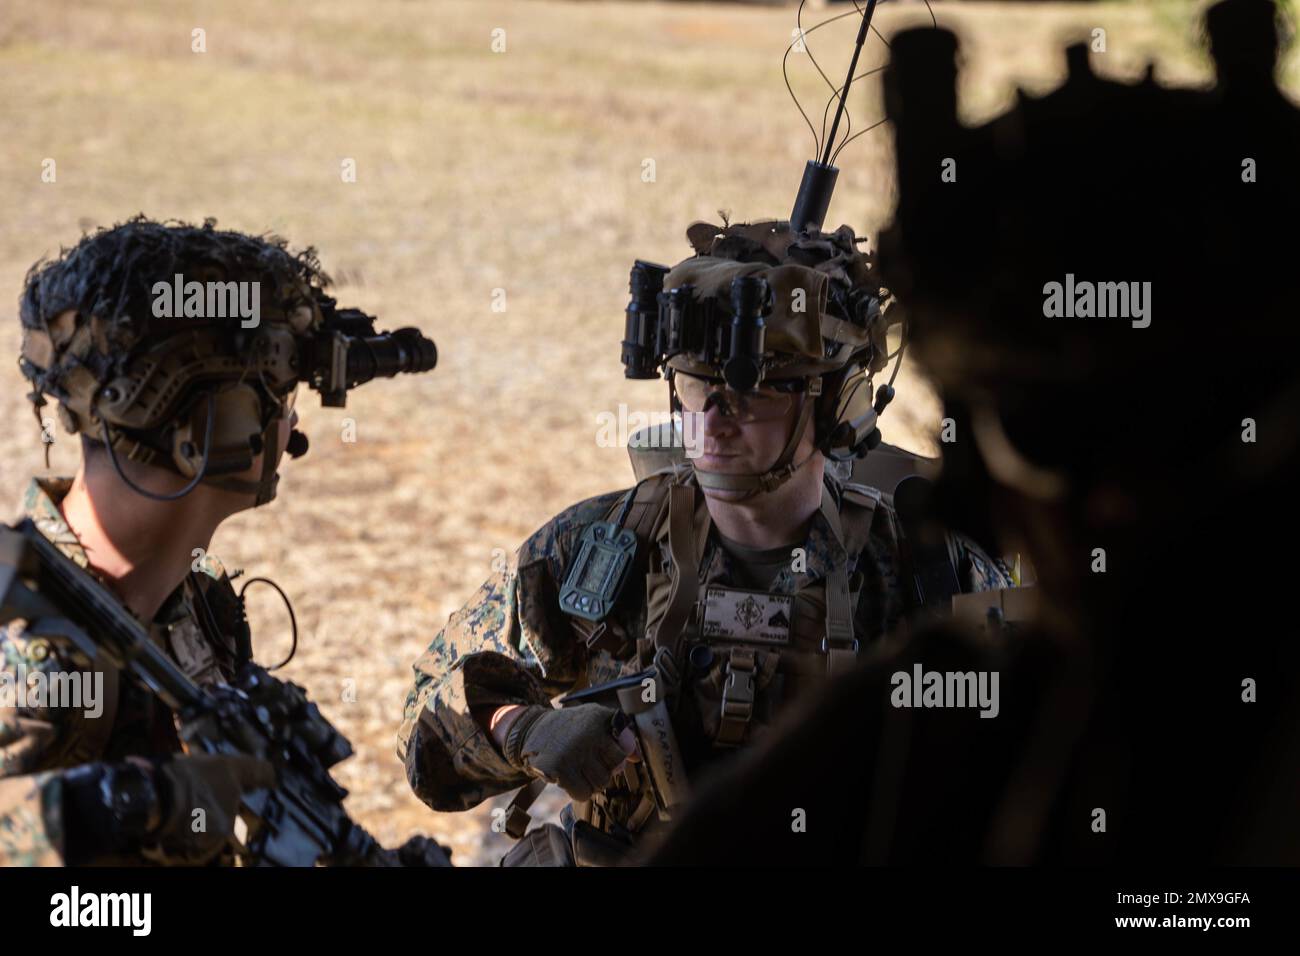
{"points": [[476, 170]]}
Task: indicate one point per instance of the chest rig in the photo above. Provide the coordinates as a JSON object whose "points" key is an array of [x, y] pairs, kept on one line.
{"points": [[725, 671], [716, 689]]}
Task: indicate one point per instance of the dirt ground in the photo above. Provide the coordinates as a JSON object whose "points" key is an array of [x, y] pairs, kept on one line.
{"points": [[477, 171]]}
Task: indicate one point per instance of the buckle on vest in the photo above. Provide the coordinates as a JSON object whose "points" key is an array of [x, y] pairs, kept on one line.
{"points": [[851, 642], [604, 638], [839, 660], [737, 697]]}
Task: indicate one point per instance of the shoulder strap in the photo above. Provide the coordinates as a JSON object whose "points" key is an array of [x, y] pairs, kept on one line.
{"points": [[649, 501], [688, 528], [839, 644], [858, 505]]}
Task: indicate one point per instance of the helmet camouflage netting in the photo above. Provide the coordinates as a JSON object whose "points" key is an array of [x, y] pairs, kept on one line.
{"points": [[844, 319], [88, 314]]}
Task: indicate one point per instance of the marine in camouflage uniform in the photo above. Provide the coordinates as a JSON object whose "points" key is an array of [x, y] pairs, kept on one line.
{"points": [[514, 644], [194, 411]]}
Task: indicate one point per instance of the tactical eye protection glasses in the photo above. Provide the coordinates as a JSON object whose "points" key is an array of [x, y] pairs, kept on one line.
{"points": [[772, 400]]}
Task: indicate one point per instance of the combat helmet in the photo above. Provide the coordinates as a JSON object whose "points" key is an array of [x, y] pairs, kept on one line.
{"points": [[181, 347], [777, 306], [768, 310]]}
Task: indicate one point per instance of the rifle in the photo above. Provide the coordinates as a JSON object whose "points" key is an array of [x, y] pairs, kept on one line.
{"points": [[298, 822]]}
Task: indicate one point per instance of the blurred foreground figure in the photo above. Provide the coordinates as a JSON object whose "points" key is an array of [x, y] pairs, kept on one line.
{"points": [[1102, 288]]}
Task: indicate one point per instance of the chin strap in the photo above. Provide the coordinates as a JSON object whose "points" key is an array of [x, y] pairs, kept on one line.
{"points": [[780, 472]]}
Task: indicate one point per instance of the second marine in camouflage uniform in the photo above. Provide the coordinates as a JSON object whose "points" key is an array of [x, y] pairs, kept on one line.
{"points": [[514, 644]]}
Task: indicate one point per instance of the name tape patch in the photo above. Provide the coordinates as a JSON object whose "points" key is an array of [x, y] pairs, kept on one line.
{"points": [[754, 616]]}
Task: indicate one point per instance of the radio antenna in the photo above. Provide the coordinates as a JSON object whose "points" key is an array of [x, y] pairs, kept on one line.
{"points": [[819, 175]]}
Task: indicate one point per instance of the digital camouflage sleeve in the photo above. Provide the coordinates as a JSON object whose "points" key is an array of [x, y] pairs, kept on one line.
{"points": [[36, 738], [38, 743], [31, 826], [511, 644]]}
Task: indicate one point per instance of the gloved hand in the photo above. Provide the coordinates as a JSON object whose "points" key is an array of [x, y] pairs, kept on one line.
{"points": [[418, 851], [574, 748], [212, 783]]}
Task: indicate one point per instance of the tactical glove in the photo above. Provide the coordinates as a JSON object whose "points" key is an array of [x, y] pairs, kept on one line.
{"points": [[575, 748], [212, 783], [418, 851]]}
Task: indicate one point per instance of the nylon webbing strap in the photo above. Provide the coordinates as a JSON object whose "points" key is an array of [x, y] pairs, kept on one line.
{"points": [[643, 514], [737, 696], [686, 551], [517, 815], [840, 646], [857, 522]]}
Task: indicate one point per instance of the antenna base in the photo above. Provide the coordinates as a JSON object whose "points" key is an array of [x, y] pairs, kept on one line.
{"points": [[814, 196]]}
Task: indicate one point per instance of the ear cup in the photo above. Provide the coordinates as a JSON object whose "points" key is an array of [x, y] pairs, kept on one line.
{"points": [[236, 433], [850, 417]]}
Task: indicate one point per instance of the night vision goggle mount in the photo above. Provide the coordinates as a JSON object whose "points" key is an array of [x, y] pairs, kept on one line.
{"points": [[205, 403], [662, 324], [346, 352]]}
